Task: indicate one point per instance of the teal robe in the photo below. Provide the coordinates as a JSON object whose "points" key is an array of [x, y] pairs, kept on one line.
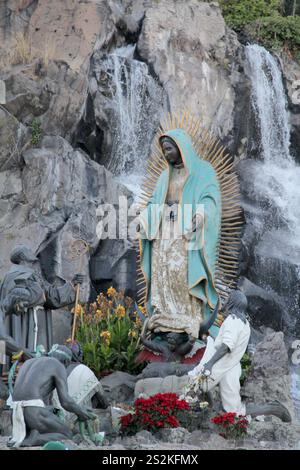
{"points": [[200, 188]]}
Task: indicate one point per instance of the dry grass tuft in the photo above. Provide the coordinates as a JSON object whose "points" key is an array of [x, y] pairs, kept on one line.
{"points": [[21, 50]]}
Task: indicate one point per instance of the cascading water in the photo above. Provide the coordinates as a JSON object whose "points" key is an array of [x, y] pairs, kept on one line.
{"points": [[280, 175], [277, 179], [137, 101]]}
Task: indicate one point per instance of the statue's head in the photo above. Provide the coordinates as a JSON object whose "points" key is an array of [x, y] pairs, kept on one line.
{"points": [[237, 303], [170, 150], [62, 353], [21, 254], [76, 350], [176, 339]]}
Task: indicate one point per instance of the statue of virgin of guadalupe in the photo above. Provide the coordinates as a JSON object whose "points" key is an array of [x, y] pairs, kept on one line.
{"points": [[189, 235]]}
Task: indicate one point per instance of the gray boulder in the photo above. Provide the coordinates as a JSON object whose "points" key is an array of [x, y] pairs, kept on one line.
{"points": [[176, 435], [119, 387], [270, 378], [288, 435], [13, 137]]}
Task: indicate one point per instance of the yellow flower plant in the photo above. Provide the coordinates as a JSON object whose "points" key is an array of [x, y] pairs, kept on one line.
{"points": [[108, 331]]}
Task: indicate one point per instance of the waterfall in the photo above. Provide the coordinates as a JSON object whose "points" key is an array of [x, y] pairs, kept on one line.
{"points": [[279, 177], [136, 100], [276, 179], [269, 102]]}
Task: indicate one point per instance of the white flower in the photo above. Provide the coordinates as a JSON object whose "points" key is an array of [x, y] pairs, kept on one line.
{"points": [[203, 404], [191, 399]]}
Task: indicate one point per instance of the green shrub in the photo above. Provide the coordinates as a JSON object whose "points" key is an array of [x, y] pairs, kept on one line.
{"points": [[36, 132], [239, 13], [277, 32], [108, 331], [246, 365], [263, 22]]}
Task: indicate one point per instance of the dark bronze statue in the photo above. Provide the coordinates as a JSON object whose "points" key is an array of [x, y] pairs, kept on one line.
{"points": [[3, 395], [173, 347], [163, 369], [27, 299], [36, 381]]}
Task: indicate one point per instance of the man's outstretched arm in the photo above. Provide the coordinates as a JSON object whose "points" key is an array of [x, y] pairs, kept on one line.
{"points": [[221, 352]]}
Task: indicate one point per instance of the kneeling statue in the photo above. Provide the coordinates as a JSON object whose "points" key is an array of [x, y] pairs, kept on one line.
{"points": [[34, 422]]}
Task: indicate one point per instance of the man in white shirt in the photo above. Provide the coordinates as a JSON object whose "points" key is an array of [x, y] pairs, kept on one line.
{"points": [[221, 361], [221, 366]]}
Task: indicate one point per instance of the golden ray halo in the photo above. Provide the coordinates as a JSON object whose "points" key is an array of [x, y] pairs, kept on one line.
{"points": [[209, 148]]}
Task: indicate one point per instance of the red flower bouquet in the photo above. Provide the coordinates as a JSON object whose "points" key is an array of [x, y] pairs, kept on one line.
{"points": [[162, 410], [231, 425]]}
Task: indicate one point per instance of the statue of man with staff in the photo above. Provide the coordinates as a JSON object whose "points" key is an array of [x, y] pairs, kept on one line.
{"points": [[26, 301]]}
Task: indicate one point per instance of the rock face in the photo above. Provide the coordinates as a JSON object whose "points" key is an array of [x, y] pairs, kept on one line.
{"points": [[48, 204], [77, 26], [270, 375], [192, 61], [291, 73], [90, 80]]}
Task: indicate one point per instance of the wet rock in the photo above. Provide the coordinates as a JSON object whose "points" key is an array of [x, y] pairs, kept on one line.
{"points": [[291, 73], [10, 184], [123, 141], [128, 15], [270, 255], [265, 307]]}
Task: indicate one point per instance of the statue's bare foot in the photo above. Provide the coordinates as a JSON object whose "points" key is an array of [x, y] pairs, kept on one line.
{"points": [[10, 443], [31, 439]]}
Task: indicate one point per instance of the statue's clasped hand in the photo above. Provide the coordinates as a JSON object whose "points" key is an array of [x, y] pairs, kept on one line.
{"points": [[78, 279], [206, 370], [87, 414], [21, 307]]}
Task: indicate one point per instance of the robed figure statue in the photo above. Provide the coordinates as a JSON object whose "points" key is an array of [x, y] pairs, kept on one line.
{"points": [[188, 238], [26, 301]]}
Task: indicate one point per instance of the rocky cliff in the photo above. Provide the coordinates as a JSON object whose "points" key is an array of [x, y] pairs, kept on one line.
{"points": [[83, 86]]}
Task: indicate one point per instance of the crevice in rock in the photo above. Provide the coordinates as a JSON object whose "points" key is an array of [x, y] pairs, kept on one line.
{"points": [[130, 37], [88, 136]]}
